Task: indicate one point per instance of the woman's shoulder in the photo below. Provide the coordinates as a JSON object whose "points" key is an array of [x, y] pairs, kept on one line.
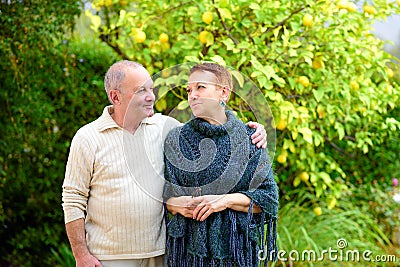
{"points": [[174, 133]]}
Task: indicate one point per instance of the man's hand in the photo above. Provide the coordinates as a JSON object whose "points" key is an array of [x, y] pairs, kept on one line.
{"points": [[260, 136], [182, 205], [77, 238], [87, 260]]}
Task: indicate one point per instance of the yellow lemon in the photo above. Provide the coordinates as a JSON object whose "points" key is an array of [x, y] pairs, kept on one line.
{"points": [[207, 17], [304, 176], [281, 158], [389, 73], [140, 36], [388, 89], [203, 37], [308, 20], [163, 38], [318, 211], [281, 124], [318, 63], [108, 3], [351, 7], [304, 81], [320, 112], [369, 9], [342, 4], [354, 85]]}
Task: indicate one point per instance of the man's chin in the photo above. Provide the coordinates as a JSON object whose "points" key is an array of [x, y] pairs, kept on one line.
{"points": [[150, 114]]}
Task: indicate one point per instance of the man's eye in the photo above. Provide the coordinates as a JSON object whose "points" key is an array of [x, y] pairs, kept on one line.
{"points": [[188, 90], [200, 86]]}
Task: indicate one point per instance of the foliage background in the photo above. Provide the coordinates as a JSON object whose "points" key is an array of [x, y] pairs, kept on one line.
{"points": [[345, 137]]}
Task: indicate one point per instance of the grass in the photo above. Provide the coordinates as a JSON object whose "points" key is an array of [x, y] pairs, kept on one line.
{"points": [[346, 231]]}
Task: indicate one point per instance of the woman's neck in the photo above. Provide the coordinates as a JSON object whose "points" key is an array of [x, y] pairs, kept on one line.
{"points": [[219, 118]]}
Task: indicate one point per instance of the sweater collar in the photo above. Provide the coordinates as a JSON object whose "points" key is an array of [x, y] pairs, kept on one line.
{"points": [[209, 129]]}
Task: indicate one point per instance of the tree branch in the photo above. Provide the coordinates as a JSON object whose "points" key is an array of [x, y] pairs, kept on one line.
{"points": [[116, 48], [224, 25], [335, 146], [286, 19]]}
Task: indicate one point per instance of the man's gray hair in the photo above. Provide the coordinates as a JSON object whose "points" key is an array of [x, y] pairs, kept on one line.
{"points": [[116, 74]]}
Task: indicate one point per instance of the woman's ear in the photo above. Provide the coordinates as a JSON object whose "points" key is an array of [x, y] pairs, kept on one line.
{"points": [[226, 92]]}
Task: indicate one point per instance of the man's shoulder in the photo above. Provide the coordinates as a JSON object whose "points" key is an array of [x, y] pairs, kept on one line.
{"points": [[87, 131], [90, 126]]}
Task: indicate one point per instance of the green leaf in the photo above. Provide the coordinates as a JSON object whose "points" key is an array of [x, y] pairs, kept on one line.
{"points": [[318, 94], [254, 6], [229, 43], [307, 134], [122, 14], [96, 20], [325, 177], [192, 59], [296, 181], [184, 104], [339, 127], [219, 60], [162, 91], [286, 106], [239, 77], [209, 39], [225, 13]]}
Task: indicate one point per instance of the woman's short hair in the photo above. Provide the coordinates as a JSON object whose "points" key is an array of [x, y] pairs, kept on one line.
{"points": [[223, 76]]}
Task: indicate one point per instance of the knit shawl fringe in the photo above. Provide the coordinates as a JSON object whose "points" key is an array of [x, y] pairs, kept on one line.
{"points": [[249, 257]]}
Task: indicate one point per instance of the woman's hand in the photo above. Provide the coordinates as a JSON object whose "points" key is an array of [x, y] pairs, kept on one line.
{"points": [[207, 205], [181, 205]]}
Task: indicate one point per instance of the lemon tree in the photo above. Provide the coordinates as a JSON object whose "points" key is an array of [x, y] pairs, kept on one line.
{"points": [[332, 89]]}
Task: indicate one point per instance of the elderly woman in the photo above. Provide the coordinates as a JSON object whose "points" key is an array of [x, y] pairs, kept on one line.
{"points": [[220, 191]]}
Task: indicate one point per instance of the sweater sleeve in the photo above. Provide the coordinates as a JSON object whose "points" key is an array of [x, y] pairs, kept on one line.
{"points": [[78, 173]]}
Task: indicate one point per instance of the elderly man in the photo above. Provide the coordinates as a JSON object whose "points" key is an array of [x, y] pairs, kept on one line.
{"points": [[112, 191]]}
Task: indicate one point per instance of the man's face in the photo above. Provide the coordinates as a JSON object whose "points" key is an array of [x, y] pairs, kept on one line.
{"points": [[137, 94]]}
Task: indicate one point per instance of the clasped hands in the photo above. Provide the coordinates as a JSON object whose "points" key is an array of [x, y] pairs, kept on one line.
{"points": [[197, 208]]}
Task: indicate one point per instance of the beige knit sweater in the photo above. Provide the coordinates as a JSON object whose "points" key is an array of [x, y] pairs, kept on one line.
{"points": [[114, 180]]}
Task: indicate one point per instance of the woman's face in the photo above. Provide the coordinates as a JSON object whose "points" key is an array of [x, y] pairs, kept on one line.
{"points": [[204, 94]]}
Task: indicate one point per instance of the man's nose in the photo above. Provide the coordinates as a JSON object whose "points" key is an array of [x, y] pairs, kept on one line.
{"points": [[150, 96]]}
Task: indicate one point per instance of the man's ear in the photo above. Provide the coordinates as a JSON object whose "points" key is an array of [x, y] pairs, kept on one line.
{"points": [[115, 97]]}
